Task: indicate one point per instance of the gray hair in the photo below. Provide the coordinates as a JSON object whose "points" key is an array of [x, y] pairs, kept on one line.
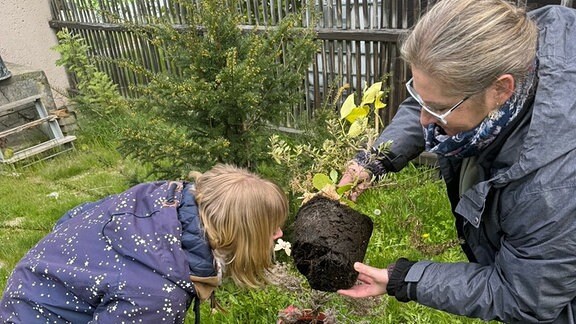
{"points": [[468, 44]]}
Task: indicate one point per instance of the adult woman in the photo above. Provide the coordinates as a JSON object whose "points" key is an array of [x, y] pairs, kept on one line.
{"points": [[493, 90], [143, 255]]}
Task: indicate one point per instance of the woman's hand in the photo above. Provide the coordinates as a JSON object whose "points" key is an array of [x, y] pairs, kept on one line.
{"points": [[373, 282], [358, 176]]}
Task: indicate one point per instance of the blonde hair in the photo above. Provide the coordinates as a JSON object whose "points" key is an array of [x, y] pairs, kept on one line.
{"points": [[240, 212], [468, 44]]}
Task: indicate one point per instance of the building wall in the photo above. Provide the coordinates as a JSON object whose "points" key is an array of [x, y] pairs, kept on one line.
{"points": [[27, 39]]}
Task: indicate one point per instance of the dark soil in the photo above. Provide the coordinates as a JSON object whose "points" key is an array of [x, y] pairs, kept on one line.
{"points": [[328, 238]]}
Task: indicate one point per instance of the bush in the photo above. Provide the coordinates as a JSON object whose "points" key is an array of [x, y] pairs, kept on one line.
{"points": [[103, 110], [316, 163], [230, 87], [221, 90]]}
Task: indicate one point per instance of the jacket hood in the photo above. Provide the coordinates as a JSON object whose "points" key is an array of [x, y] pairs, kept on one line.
{"points": [[200, 255], [551, 130], [165, 211]]}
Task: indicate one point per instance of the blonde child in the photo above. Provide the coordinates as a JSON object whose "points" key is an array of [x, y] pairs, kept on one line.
{"points": [[145, 254]]}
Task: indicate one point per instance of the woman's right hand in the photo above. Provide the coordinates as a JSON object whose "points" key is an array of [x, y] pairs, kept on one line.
{"points": [[371, 282], [357, 176]]}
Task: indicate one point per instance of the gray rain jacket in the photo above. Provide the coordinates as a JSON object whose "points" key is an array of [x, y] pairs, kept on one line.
{"points": [[519, 219]]}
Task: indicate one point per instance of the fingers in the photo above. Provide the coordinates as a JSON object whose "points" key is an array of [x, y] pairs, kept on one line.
{"points": [[359, 189], [346, 179], [365, 279], [373, 282], [378, 278], [355, 174], [373, 273], [353, 195], [358, 291]]}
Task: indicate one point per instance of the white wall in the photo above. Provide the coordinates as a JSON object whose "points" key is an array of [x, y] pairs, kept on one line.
{"points": [[27, 39]]}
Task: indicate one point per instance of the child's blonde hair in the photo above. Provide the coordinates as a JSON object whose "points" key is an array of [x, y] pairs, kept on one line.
{"points": [[240, 212]]}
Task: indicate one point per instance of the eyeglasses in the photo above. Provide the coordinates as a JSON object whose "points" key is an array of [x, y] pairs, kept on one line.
{"points": [[440, 117]]}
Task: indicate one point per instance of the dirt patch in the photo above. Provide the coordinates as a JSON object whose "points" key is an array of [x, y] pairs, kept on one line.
{"points": [[284, 276], [328, 238]]}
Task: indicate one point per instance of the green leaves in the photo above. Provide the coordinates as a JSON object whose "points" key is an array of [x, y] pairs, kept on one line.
{"points": [[357, 116], [328, 184], [347, 107], [317, 165], [98, 95], [212, 94], [357, 127], [321, 180], [233, 85]]}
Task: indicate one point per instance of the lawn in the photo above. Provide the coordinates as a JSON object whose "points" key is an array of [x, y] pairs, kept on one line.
{"points": [[410, 212]]}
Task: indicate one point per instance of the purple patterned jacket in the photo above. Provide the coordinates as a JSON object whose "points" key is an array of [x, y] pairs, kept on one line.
{"points": [[127, 258]]}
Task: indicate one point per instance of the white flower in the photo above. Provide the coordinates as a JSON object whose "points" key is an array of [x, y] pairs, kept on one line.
{"points": [[54, 195], [283, 245], [377, 212]]}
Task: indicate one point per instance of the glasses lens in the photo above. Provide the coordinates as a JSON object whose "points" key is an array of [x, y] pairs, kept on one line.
{"points": [[418, 99]]}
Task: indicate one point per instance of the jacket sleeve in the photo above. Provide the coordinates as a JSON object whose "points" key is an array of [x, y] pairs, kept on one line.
{"points": [[406, 137], [532, 278]]}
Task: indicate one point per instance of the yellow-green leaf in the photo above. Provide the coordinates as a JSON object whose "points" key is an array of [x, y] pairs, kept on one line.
{"points": [[320, 180], [347, 106], [357, 113], [334, 176], [379, 104], [371, 94], [356, 128], [343, 189]]}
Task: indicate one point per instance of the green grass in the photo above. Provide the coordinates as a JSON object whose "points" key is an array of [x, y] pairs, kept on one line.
{"points": [[32, 199], [411, 219]]}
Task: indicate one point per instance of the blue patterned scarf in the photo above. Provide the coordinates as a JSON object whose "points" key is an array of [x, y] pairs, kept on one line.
{"points": [[472, 142]]}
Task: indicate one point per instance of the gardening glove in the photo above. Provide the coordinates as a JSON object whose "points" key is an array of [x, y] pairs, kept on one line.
{"points": [[357, 176]]}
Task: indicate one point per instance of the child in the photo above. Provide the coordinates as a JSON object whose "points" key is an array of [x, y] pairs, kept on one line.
{"points": [[144, 255]]}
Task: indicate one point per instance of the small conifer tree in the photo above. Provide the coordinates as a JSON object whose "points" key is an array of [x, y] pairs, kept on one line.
{"points": [[230, 86]]}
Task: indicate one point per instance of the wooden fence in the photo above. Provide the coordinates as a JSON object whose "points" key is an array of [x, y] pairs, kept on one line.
{"points": [[359, 39]]}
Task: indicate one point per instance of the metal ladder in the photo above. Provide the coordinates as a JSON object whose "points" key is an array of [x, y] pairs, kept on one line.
{"points": [[54, 133]]}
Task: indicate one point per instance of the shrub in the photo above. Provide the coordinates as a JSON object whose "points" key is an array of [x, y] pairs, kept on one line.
{"points": [[215, 101], [229, 88], [316, 166], [95, 96]]}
